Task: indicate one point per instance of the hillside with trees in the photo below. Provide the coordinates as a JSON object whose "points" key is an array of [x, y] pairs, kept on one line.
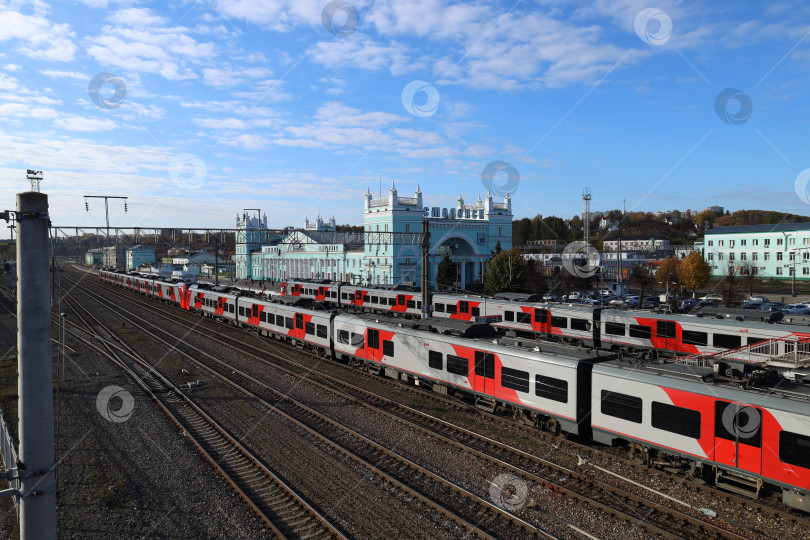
{"points": [[678, 227]]}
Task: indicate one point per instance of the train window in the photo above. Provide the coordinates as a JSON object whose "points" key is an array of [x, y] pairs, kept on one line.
{"points": [[388, 348], [794, 449], [551, 388], [726, 341], [485, 364], [321, 331], [344, 296], [288, 323], [309, 328], [343, 336], [393, 301], [411, 304], [515, 379], [241, 311], [754, 340], [271, 319], [464, 307], [231, 308], [559, 322], [524, 318], [439, 308], [263, 316], [418, 305], [452, 308], [255, 310], [580, 324], [373, 338], [674, 419], [666, 329], [334, 294], [458, 365], [735, 422], [691, 337], [475, 312], [614, 329], [541, 316], [400, 299], [509, 316], [640, 331], [358, 340], [435, 360], [374, 300], [299, 320], [621, 406]]}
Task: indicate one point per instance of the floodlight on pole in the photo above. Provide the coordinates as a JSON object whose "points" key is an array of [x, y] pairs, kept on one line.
{"points": [[35, 177]]}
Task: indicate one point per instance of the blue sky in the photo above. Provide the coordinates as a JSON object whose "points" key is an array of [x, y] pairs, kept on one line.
{"points": [[197, 110]]}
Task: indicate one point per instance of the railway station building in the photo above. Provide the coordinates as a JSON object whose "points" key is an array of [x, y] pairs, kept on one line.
{"points": [[779, 250], [467, 233]]}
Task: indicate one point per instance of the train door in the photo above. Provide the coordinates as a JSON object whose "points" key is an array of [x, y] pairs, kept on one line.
{"points": [[484, 378], [666, 335], [541, 320], [738, 436], [464, 310], [373, 344], [401, 302]]}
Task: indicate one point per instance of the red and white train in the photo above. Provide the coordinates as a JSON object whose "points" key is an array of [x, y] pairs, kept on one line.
{"points": [[663, 412]]}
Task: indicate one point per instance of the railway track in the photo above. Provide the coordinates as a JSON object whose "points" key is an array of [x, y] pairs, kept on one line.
{"points": [[286, 514], [642, 512], [477, 515]]}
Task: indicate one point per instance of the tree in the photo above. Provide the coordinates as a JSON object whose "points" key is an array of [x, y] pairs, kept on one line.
{"points": [[694, 272], [640, 277], [505, 272], [536, 281], [498, 248], [668, 271], [447, 273], [729, 285], [748, 276]]}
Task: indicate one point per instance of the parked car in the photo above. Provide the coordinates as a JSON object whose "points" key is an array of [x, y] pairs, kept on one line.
{"points": [[797, 309], [688, 304], [549, 297], [572, 297], [772, 306], [751, 304]]}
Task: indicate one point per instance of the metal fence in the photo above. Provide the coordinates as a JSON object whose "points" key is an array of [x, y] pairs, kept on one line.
{"points": [[9, 454]]}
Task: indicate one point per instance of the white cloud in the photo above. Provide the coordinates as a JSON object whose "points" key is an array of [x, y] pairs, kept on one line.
{"points": [[279, 15], [65, 75], [74, 122], [220, 123], [364, 53], [228, 78], [12, 67], [38, 37], [138, 40]]}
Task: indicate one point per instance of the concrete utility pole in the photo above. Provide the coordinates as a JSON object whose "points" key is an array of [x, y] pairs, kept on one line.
{"points": [[34, 364], [425, 269]]}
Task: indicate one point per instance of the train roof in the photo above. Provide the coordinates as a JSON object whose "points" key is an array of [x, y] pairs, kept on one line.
{"points": [[541, 351], [693, 319], [519, 297], [781, 394]]}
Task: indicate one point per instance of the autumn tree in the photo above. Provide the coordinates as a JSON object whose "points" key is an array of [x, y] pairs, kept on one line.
{"points": [[694, 272], [505, 272], [668, 271], [447, 274]]}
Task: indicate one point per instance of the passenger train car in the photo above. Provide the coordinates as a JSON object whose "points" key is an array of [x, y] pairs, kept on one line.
{"points": [[665, 413], [739, 439]]}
